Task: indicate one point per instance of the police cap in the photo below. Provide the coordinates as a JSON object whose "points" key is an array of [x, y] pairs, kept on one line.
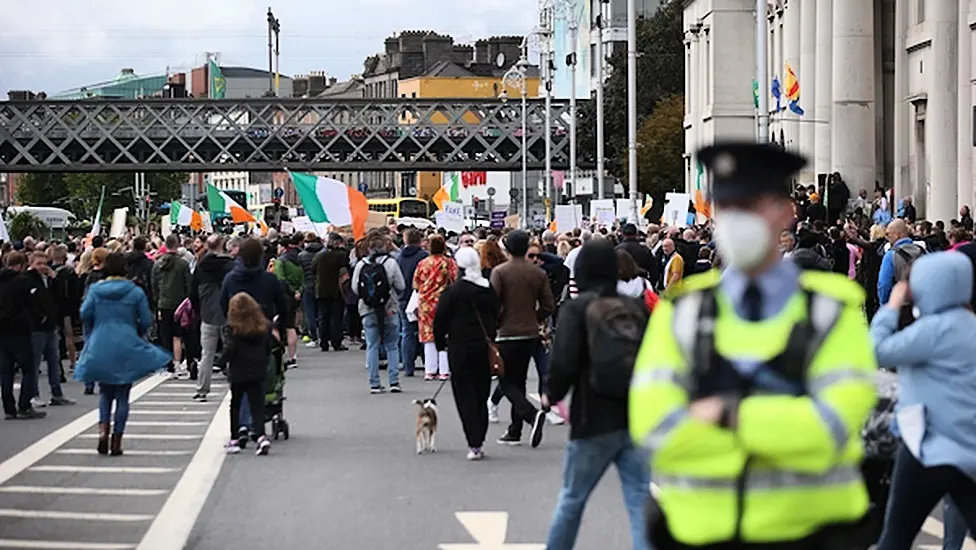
{"points": [[744, 169]]}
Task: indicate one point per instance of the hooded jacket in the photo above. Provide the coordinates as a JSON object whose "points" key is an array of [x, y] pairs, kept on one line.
{"points": [[205, 288], [934, 357], [115, 318], [260, 285], [139, 270], [15, 303], [410, 256], [590, 413], [326, 267], [305, 258], [44, 311], [288, 269], [246, 356], [170, 281]]}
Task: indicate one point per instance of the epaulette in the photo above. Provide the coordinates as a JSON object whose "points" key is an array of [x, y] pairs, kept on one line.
{"points": [[835, 285], [694, 283]]}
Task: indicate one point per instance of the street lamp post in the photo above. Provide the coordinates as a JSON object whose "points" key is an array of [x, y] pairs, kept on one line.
{"points": [[600, 59], [274, 27], [632, 107], [515, 77]]}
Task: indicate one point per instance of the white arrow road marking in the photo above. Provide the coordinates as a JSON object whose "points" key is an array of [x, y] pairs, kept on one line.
{"points": [[488, 529]]}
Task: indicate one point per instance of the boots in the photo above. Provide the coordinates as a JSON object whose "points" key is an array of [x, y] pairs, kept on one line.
{"points": [[116, 445], [103, 438]]}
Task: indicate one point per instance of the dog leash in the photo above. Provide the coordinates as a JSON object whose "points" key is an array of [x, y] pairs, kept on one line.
{"points": [[439, 388]]}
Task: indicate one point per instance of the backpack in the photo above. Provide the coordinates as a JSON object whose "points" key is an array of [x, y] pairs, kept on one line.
{"points": [[905, 256], [374, 284], [614, 329]]}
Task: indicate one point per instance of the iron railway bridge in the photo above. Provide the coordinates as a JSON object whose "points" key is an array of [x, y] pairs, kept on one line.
{"points": [[188, 135]]}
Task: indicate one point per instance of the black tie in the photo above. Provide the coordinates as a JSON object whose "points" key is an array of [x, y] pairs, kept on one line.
{"points": [[752, 303]]}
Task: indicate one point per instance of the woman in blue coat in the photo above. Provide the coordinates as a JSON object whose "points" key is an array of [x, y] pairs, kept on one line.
{"points": [[115, 317]]}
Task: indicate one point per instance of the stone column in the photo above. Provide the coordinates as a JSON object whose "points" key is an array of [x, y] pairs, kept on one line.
{"points": [[791, 57], [941, 124], [807, 75], [964, 108], [823, 91], [852, 140], [903, 127]]}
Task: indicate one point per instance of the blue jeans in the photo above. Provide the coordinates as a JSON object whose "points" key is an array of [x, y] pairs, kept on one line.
{"points": [[586, 461], [540, 356], [955, 526], [409, 343], [46, 347], [388, 339], [311, 308], [15, 350], [118, 393]]}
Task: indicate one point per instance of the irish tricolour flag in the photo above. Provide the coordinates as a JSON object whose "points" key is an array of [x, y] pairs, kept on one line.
{"points": [[185, 216], [330, 201], [219, 203], [450, 190]]}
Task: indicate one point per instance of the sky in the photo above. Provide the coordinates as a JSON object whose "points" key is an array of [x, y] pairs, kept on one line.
{"points": [[56, 45]]}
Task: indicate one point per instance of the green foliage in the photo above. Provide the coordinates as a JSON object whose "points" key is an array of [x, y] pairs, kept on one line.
{"points": [[660, 149], [24, 225], [79, 193], [660, 74]]}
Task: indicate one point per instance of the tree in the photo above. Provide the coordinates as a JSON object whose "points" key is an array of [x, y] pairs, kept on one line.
{"points": [[25, 224], [660, 149], [79, 192], [660, 73]]}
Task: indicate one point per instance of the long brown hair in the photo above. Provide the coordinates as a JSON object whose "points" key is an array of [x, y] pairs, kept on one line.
{"points": [[492, 255], [245, 316]]}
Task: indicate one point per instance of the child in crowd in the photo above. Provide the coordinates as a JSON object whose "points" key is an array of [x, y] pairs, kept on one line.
{"points": [[247, 350]]}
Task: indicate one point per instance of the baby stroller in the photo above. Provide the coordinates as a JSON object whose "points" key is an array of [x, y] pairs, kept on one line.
{"points": [[274, 394]]}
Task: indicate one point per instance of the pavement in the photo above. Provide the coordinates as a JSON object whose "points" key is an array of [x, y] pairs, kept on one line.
{"points": [[348, 477]]}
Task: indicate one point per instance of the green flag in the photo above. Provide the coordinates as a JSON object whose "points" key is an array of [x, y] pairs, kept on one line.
{"points": [[97, 224], [755, 93], [218, 85]]}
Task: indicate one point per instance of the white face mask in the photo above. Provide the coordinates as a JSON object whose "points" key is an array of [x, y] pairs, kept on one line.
{"points": [[742, 238]]}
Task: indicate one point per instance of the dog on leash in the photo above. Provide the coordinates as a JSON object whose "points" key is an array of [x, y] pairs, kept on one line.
{"points": [[426, 425]]}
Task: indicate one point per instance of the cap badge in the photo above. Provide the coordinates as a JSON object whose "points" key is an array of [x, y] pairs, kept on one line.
{"points": [[724, 165]]}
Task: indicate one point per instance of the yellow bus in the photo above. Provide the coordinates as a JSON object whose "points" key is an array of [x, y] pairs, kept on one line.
{"points": [[404, 207]]}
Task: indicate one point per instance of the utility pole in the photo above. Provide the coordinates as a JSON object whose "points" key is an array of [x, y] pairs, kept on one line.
{"points": [[762, 76], [599, 99], [274, 27], [632, 107], [546, 26], [571, 60]]}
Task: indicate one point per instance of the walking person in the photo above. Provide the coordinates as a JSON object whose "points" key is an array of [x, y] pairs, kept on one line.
{"points": [[410, 257], [45, 321], [377, 282], [313, 245], [526, 302], [598, 435], [465, 325], [247, 350], [208, 278], [170, 286], [937, 392], [329, 267], [15, 340], [433, 274], [288, 269], [115, 319]]}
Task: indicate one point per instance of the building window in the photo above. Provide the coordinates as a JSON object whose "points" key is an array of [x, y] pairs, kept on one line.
{"points": [[919, 12], [688, 80]]}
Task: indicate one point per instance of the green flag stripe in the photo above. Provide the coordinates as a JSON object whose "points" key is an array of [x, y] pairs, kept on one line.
{"points": [[305, 185], [215, 203]]}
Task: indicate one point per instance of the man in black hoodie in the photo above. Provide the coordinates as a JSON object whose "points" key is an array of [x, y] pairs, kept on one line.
{"points": [[250, 276], [208, 278], [641, 255], [598, 430], [313, 245], [45, 320], [15, 341], [328, 268], [139, 267]]}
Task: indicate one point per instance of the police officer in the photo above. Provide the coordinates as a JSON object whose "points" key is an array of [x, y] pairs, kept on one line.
{"points": [[751, 385]]}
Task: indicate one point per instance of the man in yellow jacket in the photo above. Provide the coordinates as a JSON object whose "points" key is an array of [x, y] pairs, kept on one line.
{"points": [[751, 385]]}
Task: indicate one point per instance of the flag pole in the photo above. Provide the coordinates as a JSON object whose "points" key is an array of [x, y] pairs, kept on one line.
{"points": [[96, 225]]}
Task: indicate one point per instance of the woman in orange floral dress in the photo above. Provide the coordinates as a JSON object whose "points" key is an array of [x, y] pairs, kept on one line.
{"points": [[434, 273]]}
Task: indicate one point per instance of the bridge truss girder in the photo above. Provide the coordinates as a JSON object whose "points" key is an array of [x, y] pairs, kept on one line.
{"points": [[187, 135]]}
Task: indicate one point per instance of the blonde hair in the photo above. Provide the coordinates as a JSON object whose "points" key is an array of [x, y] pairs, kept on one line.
{"points": [[877, 231], [84, 263], [245, 316], [98, 257], [113, 246]]}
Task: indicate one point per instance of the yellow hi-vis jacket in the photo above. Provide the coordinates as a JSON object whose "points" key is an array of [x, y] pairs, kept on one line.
{"points": [[791, 466]]}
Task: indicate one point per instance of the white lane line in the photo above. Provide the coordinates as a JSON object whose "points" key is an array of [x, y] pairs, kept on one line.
{"points": [[87, 491], [80, 516], [49, 443], [173, 394], [163, 424], [194, 385], [62, 545], [150, 412], [172, 527], [128, 452], [103, 469], [179, 403], [150, 436]]}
